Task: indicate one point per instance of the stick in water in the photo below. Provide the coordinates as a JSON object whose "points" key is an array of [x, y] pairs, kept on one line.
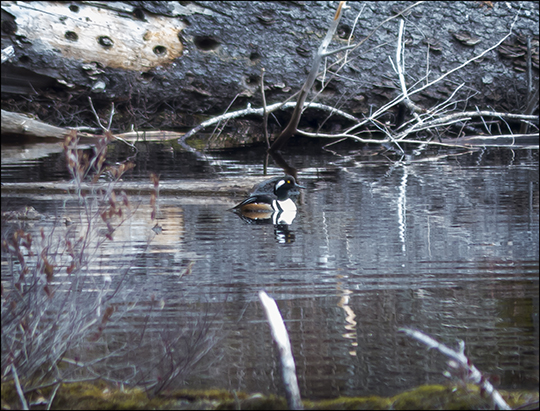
{"points": [[279, 333]]}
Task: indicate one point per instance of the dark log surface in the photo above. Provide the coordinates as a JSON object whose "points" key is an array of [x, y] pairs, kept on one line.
{"points": [[175, 61]]}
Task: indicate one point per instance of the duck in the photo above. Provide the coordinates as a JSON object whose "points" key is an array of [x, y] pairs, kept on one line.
{"points": [[270, 199]]}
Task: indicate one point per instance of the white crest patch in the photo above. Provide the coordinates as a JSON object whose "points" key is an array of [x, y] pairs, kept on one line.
{"points": [[280, 183]]}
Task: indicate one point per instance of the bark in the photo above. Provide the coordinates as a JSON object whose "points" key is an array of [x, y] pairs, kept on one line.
{"points": [[162, 62]]}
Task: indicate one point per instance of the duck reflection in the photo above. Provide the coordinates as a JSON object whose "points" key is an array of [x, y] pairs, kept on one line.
{"points": [[271, 202]]}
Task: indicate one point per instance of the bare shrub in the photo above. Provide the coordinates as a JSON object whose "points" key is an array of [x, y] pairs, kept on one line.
{"points": [[56, 309]]}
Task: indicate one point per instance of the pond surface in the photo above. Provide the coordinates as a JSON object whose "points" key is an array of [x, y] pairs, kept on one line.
{"points": [[446, 242]]}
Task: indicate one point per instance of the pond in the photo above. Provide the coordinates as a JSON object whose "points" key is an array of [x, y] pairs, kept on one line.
{"points": [[443, 241]]}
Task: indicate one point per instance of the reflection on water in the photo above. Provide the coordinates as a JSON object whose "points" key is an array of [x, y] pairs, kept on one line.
{"points": [[447, 245]]}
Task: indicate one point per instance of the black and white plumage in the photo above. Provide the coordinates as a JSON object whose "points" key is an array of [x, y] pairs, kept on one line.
{"points": [[271, 199]]}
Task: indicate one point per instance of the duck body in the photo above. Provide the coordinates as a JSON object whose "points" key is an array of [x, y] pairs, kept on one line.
{"points": [[269, 197]]}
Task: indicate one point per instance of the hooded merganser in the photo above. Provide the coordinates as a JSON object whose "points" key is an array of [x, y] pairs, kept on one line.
{"points": [[268, 197]]}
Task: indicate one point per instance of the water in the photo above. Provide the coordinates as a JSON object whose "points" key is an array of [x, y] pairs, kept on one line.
{"points": [[446, 242]]}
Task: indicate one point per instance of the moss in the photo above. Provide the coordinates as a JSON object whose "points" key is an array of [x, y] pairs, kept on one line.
{"points": [[425, 397], [9, 396], [516, 399], [196, 143], [210, 394], [430, 397], [99, 395], [255, 402], [347, 403]]}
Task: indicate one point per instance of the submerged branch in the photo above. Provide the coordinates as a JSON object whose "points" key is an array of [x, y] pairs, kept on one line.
{"points": [[281, 337]]}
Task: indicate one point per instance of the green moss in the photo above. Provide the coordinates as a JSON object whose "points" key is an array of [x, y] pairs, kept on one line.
{"points": [[197, 143], [9, 396], [99, 395], [211, 394], [516, 399], [354, 403], [78, 394], [255, 402], [427, 397], [439, 397]]}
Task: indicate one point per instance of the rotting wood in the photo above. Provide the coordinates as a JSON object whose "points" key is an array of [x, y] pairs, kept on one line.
{"points": [[211, 188], [23, 125], [14, 123]]}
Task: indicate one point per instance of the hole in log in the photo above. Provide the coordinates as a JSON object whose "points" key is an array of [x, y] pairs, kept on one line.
{"points": [[71, 35], [138, 13], [160, 50], [106, 41], [206, 43]]}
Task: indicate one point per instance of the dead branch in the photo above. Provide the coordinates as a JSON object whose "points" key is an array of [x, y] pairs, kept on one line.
{"points": [[428, 120], [259, 112], [15, 123], [465, 142], [265, 112], [401, 97], [279, 333], [459, 364], [19, 388], [321, 53], [374, 140], [400, 69], [107, 129], [461, 117], [424, 120]]}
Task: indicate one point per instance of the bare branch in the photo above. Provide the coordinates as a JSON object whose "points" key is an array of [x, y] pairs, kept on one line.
{"points": [[265, 112], [462, 116], [19, 388], [460, 361], [281, 337], [260, 111], [434, 119], [321, 52], [400, 98]]}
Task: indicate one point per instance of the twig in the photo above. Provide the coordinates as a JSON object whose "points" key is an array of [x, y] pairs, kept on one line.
{"points": [[108, 129], [400, 62], [19, 388], [279, 333], [97, 117], [411, 141], [53, 395], [265, 112], [427, 65], [463, 116], [260, 111], [485, 140], [400, 14], [461, 362], [530, 103], [445, 103], [321, 53], [529, 70], [400, 98]]}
